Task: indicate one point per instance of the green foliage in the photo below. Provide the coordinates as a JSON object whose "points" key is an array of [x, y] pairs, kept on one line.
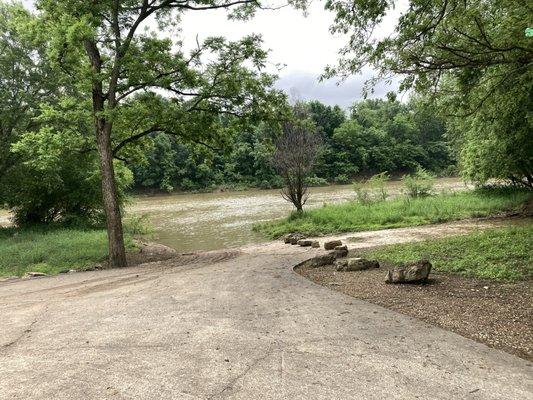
{"points": [[362, 193], [315, 181], [51, 249], [419, 184], [185, 166], [380, 135], [396, 213], [372, 189], [495, 254], [471, 57], [388, 136], [342, 179], [378, 183], [55, 180]]}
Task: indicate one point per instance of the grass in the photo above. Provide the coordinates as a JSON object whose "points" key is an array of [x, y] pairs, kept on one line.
{"points": [[503, 253], [51, 250], [399, 212]]}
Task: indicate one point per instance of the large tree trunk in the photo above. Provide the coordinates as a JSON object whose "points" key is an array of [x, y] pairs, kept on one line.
{"points": [[115, 236], [103, 128]]}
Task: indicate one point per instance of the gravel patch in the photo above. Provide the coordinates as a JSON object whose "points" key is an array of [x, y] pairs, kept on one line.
{"points": [[498, 314]]}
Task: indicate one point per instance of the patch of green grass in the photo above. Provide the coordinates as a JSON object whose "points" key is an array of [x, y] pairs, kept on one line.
{"points": [[396, 213], [51, 250], [503, 253]]}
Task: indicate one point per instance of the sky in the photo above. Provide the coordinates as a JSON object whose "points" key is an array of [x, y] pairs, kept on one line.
{"points": [[302, 44]]}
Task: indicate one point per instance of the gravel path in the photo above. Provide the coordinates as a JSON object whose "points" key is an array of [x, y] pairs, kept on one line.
{"points": [[231, 325], [498, 314]]}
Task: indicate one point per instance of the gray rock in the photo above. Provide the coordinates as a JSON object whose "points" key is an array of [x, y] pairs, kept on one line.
{"points": [[415, 272], [319, 261], [305, 243], [315, 244], [340, 252], [293, 238], [332, 244], [355, 264]]}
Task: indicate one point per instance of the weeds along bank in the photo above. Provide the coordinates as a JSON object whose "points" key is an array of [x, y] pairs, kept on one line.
{"points": [[371, 208], [53, 249]]}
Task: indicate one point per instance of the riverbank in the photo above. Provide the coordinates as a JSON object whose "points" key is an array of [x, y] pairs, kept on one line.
{"points": [[399, 212], [211, 221], [52, 250]]}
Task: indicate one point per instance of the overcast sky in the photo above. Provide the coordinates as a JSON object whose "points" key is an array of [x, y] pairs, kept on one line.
{"points": [[303, 44]]}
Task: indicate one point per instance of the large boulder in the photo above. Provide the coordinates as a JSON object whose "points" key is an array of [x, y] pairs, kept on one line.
{"points": [[332, 244], [355, 264], [315, 244], [415, 272], [305, 242]]}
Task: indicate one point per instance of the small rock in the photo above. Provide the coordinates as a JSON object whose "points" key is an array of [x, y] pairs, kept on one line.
{"points": [[315, 244], [293, 238], [305, 243], [415, 272], [332, 244], [33, 274], [355, 264], [319, 261], [340, 252], [485, 287]]}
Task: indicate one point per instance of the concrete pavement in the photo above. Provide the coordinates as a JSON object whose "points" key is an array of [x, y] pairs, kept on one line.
{"points": [[231, 325]]}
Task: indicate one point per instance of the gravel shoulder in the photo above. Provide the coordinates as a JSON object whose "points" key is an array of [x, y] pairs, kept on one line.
{"points": [[497, 314]]}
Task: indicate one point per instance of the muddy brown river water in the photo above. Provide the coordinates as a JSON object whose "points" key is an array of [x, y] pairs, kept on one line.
{"points": [[209, 221]]}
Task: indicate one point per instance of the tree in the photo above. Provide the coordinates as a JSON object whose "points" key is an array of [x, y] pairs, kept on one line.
{"points": [[53, 180], [102, 47], [296, 152], [471, 56], [25, 81]]}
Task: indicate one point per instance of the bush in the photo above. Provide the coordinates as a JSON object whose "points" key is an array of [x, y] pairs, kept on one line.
{"points": [[316, 181], [419, 184], [342, 179], [373, 189], [362, 194], [377, 184]]}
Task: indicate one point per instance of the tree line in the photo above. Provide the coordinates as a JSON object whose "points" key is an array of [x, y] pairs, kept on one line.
{"points": [[371, 137]]}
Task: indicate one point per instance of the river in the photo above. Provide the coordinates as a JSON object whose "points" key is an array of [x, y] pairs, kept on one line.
{"points": [[209, 221]]}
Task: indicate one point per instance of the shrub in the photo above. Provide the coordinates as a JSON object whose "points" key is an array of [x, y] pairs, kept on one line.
{"points": [[377, 184], [342, 179], [419, 184], [316, 181], [362, 193], [373, 189]]}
